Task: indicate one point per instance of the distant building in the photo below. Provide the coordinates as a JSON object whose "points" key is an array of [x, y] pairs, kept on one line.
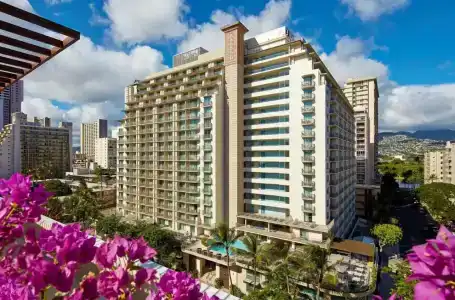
{"points": [[363, 94], [90, 132], [364, 163], [439, 165], [106, 153], [10, 102], [26, 146]]}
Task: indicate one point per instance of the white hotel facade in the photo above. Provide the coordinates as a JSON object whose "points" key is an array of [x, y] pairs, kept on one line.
{"points": [[258, 135]]}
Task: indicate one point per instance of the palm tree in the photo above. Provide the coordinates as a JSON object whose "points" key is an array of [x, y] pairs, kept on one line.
{"points": [[432, 178], [225, 237], [254, 252]]}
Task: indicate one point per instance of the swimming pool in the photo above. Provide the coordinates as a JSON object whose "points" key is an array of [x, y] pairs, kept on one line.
{"points": [[220, 249]]}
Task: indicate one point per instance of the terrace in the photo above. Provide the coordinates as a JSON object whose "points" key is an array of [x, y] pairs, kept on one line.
{"points": [[351, 267]]}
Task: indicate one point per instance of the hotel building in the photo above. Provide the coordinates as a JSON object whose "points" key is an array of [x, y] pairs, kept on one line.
{"points": [[439, 165], [257, 134], [363, 95], [106, 153], [90, 133], [26, 146], [11, 99]]}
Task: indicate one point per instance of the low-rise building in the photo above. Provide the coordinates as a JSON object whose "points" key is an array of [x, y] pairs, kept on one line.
{"points": [[26, 146]]}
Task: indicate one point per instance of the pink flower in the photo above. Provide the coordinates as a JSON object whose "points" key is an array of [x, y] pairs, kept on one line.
{"points": [[144, 275], [140, 250], [180, 285]]}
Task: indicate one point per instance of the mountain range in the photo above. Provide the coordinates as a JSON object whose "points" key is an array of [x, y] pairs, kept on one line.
{"points": [[438, 134]]}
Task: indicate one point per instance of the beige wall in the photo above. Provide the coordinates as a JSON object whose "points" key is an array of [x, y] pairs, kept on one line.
{"points": [[233, 61]]}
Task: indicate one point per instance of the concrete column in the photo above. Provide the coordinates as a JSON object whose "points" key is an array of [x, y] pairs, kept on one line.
{"points": [[233, 68]]}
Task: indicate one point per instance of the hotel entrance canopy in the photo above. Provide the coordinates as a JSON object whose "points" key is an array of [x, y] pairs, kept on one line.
{"points": [[27, 41]]}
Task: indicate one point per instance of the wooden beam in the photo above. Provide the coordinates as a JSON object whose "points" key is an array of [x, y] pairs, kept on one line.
{"points": [[8, 75], [24, 45], [15, 62], [36, 36], [11, 69], [37, 20], [18, 54]]}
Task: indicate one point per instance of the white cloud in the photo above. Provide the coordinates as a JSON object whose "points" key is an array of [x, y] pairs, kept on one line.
{"points": [[55, 2], [401, 107], [350, 59], [86, 72], [209, 36], [419, 106], [96, 18], [136, 21], [369, 10]]}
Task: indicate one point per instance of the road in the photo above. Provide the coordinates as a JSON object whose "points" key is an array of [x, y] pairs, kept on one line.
{"points": [[417, 226]]}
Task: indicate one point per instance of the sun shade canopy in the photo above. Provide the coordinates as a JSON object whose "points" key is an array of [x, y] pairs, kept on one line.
{"points": [[27, 41]]}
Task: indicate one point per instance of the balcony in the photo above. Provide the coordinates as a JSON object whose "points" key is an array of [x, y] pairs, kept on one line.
{"points": [[207, 169], [308, 109], [207, 115], [308, 133], [307, 84], [307, 121], [308, 184], [308, 172], [207, 158], [207, 147], [308, 208], [208, 125], [307, 159], [308, 196], [308, 146], [207, 136], [308, 97]]}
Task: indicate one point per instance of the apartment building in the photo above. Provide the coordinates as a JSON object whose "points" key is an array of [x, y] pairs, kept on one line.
{"points": [[363, 94], [438, 165], [106, 153], [257, 134], [90, 132], [26, 146], [365, 170], [11, 99]]}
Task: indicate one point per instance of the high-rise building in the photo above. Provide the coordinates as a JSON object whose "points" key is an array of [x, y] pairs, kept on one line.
{"points": [[363, 95], [90, 132], [438, 165], [258, 135], [26, 146], [365, 171], [106, 153], [11, 99]]}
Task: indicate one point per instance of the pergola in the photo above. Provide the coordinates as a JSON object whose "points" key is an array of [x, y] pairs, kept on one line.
{"points": [[22, 50]]}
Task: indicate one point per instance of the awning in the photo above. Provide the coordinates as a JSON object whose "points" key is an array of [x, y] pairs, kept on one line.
{"points": [[27, 41], [356, 247]]}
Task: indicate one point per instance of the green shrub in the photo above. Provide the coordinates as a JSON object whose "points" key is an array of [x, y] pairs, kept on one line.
{"points": [[219, 283]]}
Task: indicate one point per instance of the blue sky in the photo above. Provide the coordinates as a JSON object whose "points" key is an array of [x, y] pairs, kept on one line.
{"points": [[407, 44]]}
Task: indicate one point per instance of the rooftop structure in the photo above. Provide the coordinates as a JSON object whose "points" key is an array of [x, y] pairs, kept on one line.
{"points": [[23, 49]]}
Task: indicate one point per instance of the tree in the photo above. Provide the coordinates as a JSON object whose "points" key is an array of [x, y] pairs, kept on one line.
{"points": [[387, 234], [287, 267], [110, 225], [156, 236], [55, 209], [403, 288], [57, 187], [254, 252], [225, 237], [438, 198], [432, 178]]}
